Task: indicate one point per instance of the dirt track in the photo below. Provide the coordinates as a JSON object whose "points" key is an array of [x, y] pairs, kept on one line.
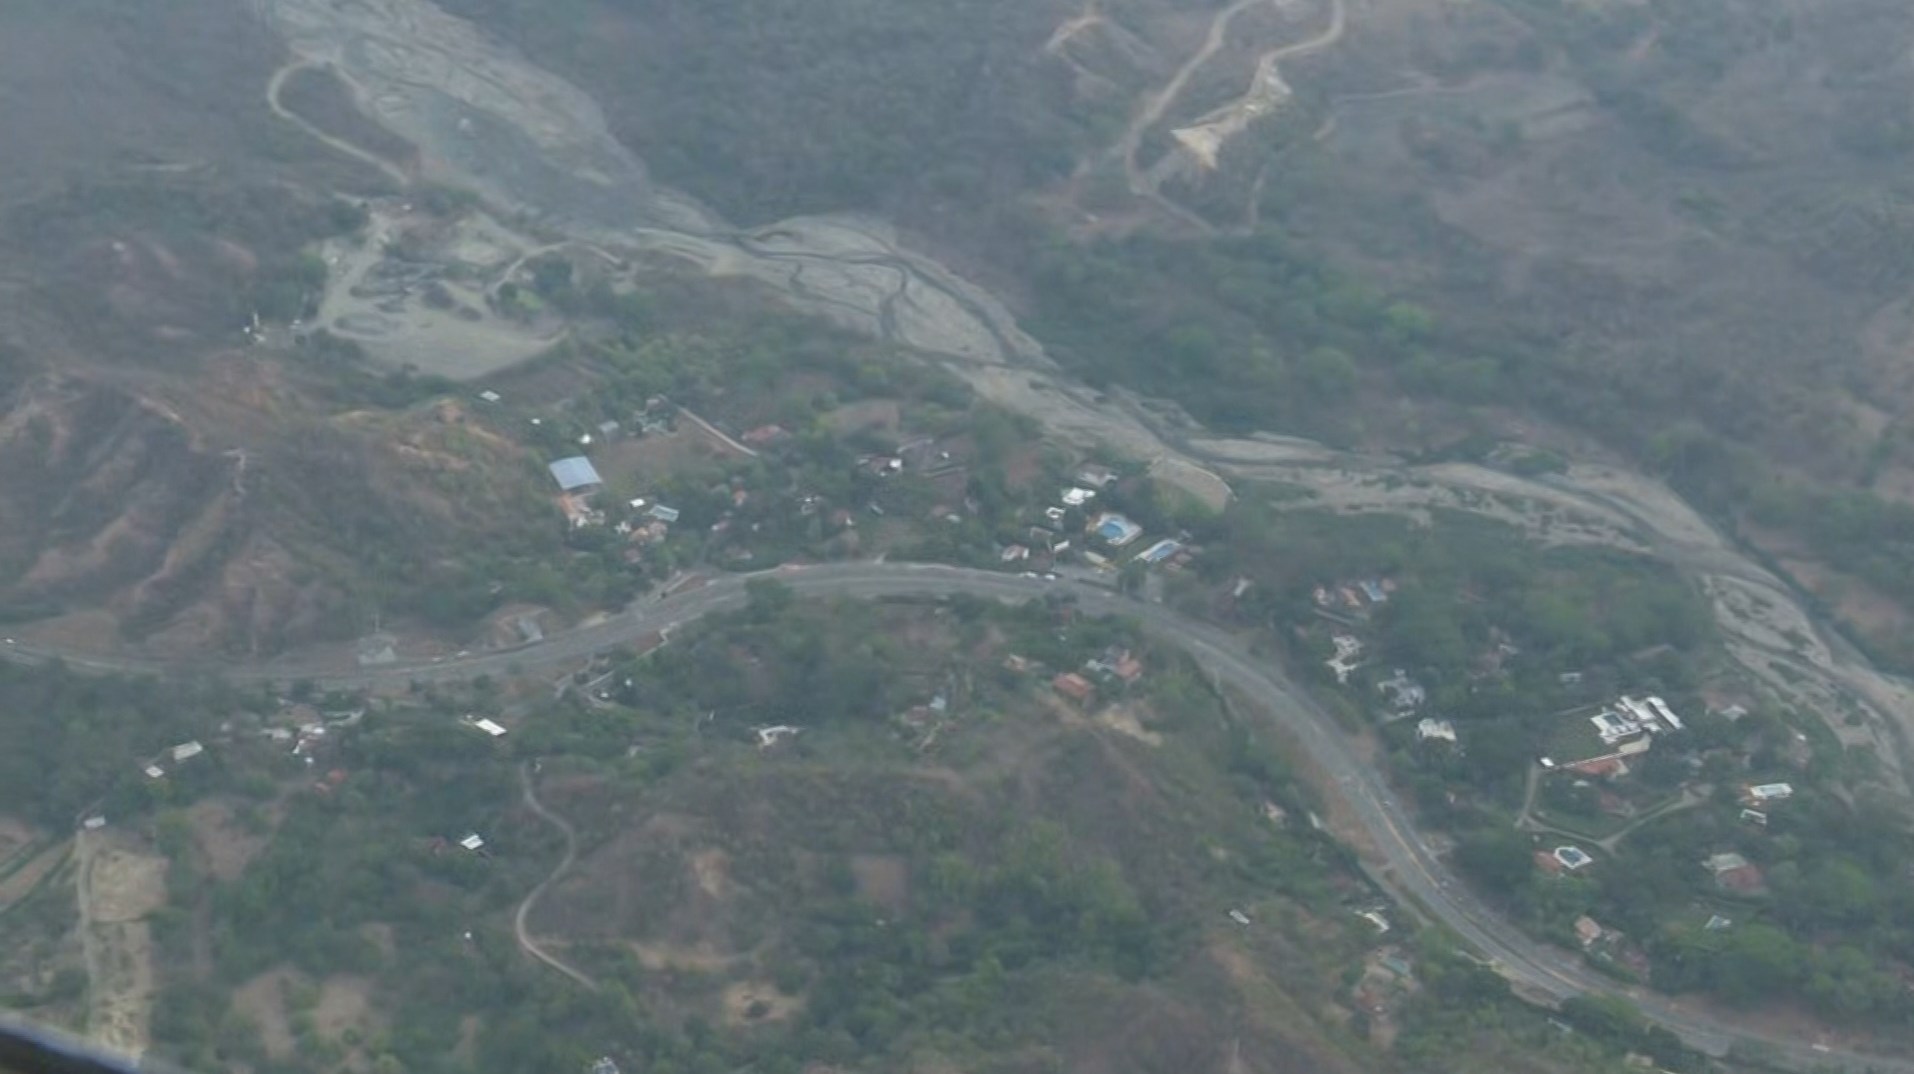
{"points": [[338, 144], [526, 941]]}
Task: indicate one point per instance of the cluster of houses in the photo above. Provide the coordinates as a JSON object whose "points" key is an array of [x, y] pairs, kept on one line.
{"points": [[1355, 597], [1105, 532], [647, 521], [1387, 979], [175, 755], [1607, 944], [1117, 667]]}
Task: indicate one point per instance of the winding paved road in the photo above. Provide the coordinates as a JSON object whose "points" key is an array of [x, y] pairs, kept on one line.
{"points": [[1404, 862]]}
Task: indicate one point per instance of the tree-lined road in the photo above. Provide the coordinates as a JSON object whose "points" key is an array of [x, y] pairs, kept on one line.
{"points": [[1402, 860]]}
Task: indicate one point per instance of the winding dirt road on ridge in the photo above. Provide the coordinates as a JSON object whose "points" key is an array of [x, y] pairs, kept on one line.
{"points": [[526, 941], [1158, 104]]}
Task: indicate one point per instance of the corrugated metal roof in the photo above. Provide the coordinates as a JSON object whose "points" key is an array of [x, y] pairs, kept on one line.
{"points": [[575, 473]]}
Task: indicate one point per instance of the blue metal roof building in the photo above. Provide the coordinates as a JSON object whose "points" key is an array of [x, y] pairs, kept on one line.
{"points": [[576, 473]]}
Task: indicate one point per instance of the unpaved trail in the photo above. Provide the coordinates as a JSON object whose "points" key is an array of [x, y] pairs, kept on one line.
{"points": [[1091, 15], [526, 942], [1158, 103], [1205, 139], [338, 145], [1232, 118]]}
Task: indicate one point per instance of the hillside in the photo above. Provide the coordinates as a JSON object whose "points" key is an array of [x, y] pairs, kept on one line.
{"points": [[949, 865], [1672, 232]]}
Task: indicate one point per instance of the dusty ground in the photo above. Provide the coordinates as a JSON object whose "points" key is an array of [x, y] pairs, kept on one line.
{"points": [[664, 956], [343, 1003], [882, 879], [262, 1001], [16, 835], [712, 870], [756, 1002], [643, 459], [120, 883], [1126, 719], [227, 846], [376, 300]]}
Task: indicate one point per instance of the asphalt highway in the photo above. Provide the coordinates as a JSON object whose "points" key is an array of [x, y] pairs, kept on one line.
{"points": [[1404, 862]]}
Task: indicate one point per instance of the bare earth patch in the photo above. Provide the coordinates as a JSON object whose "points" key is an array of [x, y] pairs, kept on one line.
{"points": [[15, 836], [226, 845], [345, 1002], [753, 1002], [665, 956], [712, 869], [883, 879], [1124, 719], [262, 1000], [119, 885]]}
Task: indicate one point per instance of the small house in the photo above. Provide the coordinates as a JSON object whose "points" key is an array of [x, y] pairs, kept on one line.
{"points": [[1074, 686], [1588, 931]]}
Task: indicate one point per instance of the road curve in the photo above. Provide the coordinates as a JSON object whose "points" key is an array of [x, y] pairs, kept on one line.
{"points": [[1404, 862], [339, 145], [525, 941]]}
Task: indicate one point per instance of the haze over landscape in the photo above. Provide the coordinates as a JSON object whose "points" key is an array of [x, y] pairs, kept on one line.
{"points": [[992, 536]]}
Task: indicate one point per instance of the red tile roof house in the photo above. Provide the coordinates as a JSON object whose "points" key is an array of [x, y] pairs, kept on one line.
{"points": [[1074, 686]]}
